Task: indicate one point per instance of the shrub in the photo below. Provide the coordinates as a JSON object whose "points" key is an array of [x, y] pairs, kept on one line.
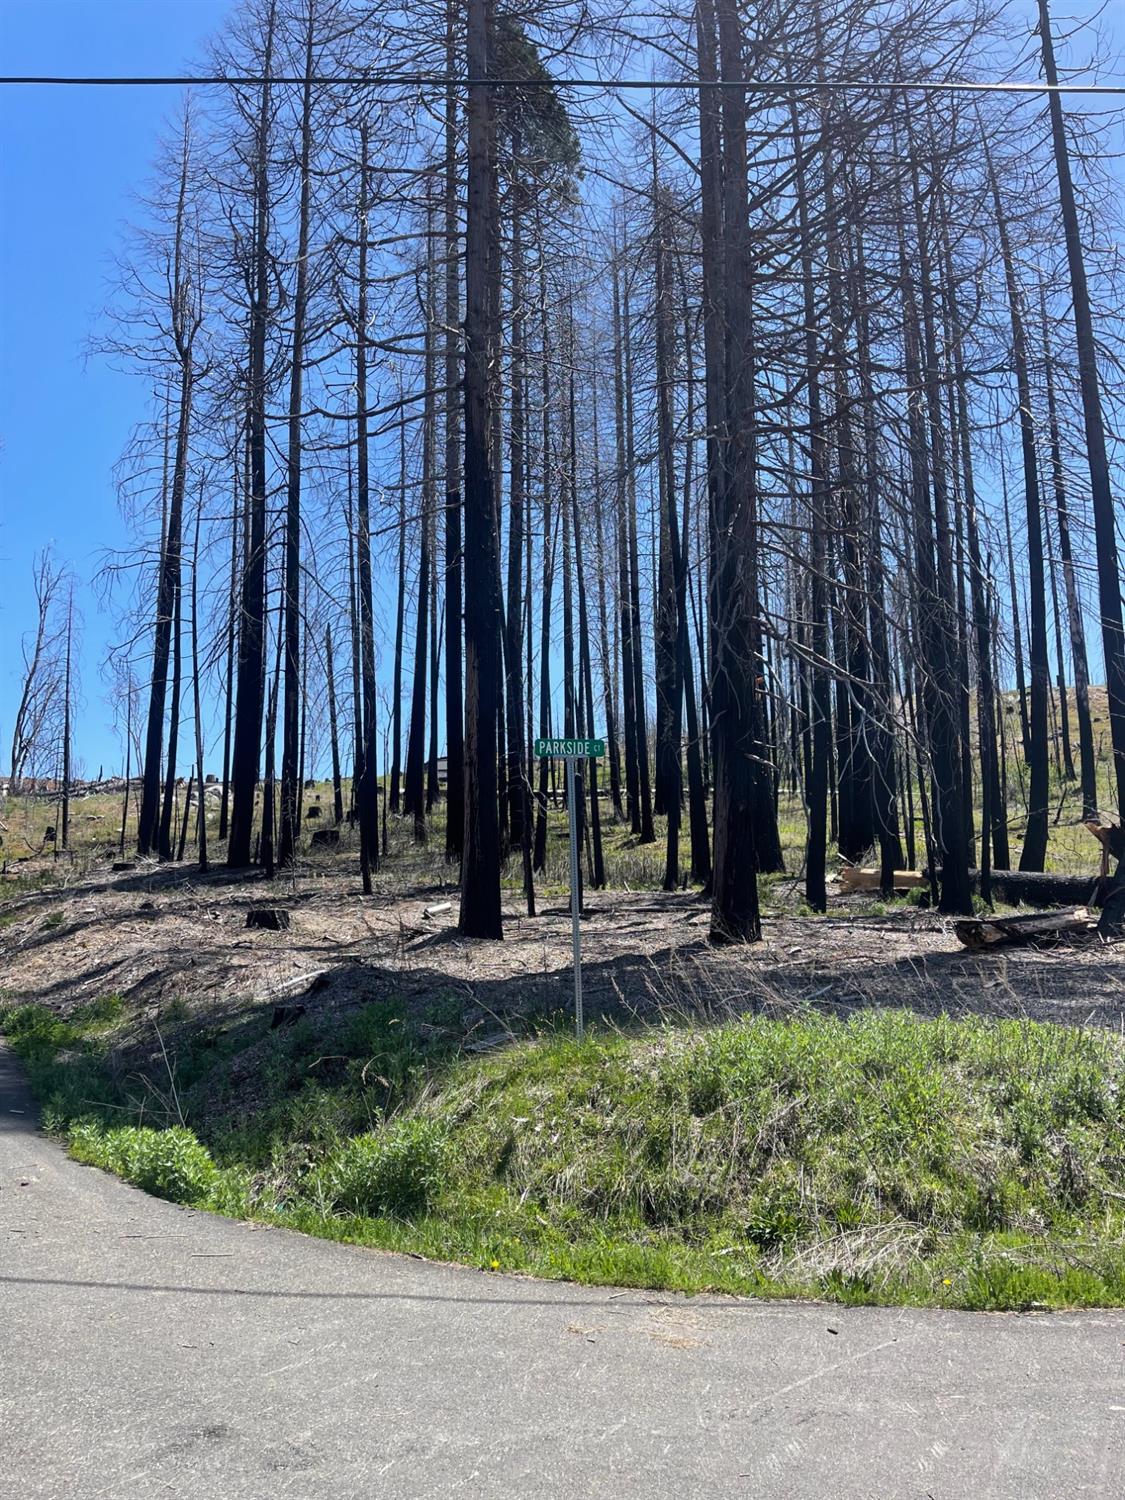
{"points": [[170, 1163], [394, 1171], [35, 1030]]}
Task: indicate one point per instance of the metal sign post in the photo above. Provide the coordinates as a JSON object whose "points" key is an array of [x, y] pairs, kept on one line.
{"points": [[575, 923], [572, 751]]}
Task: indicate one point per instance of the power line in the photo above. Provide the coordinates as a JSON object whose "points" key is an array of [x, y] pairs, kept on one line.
{"points": [[444, 80]]}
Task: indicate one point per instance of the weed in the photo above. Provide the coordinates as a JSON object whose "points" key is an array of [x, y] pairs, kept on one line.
{"points": [[395, 1171]]}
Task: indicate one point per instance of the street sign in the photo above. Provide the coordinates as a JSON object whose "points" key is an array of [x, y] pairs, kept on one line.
{"points": [[569, 749], [573, 752]]}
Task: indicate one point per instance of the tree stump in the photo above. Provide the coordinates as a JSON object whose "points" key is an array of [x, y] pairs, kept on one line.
{"points": [[272, 918], [312, 812], [326, 838], [1112, 921]]}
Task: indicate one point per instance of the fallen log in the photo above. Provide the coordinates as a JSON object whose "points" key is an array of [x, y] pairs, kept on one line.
{"points": [[863, 878], [1033, 888], [1043, 929]]}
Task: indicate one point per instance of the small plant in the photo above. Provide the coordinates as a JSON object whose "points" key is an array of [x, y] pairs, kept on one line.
{"points": [[394, 1171], [105, 1011], [169, 1163]]}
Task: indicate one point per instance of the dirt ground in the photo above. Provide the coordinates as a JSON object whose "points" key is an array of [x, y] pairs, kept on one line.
{"points": [[167, 936]]}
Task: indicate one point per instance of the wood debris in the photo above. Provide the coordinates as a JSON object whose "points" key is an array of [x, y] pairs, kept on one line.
{"points": [[862, 878], [1043, 929]]}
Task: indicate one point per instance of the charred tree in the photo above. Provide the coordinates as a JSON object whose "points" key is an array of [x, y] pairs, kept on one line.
{"points": [[480, 874]]}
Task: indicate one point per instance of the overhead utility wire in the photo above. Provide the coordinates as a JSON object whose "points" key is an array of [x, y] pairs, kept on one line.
{"points": [[442, 80]]}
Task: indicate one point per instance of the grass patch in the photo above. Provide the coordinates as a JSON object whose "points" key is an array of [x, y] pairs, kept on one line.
{"points": [[968, 1163]]}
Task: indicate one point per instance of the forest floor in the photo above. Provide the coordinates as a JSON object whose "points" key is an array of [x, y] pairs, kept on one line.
{"points": [[165, 936]]}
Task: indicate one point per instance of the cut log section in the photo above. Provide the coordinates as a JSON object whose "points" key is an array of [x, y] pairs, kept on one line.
{"points": [[863, 878], [1044, 929]]}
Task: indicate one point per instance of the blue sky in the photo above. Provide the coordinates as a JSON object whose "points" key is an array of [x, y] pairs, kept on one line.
{"points": [[71, 164]]}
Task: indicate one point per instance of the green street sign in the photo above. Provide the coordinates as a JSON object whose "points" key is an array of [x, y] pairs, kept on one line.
{"points": [[569, 749]]}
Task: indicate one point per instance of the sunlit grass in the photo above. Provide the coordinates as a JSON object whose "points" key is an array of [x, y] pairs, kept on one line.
{"points": [[969, 1163]]}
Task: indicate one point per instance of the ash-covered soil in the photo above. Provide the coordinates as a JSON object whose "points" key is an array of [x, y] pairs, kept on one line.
{"points": [[162, 937]]}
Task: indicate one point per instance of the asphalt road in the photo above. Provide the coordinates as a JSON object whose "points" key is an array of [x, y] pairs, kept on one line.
{"points": [[147, 1350]]}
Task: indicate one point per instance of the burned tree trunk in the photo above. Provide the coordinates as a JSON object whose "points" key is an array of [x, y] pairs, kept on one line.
{"points": [[740, 785], [454, 705], [198, 718], [368, 793], [540, 860], [1109, 574], [251, 690], [333, 730], [1035, 837], [480, 875], [291, 703], [1076, 625]]}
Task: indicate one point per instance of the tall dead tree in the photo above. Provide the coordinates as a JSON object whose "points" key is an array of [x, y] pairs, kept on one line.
{"points": [[1074, 613], [197, 713], [480, 873], [185, 317], [454, 702], [291, 705], [333, 730], [368, 792], [1109, 573], [736, 736], [42, 674], [1034, 849], [934, 588], [250, 692]]}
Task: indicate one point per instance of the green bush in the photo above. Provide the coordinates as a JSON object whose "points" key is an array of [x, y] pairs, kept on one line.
{"points": [[170, 1163], [33, 1029], [394, 1171]]}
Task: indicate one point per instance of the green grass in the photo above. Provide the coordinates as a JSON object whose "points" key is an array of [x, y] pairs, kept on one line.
{"points": [[13, 885], [965, 1163]]}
